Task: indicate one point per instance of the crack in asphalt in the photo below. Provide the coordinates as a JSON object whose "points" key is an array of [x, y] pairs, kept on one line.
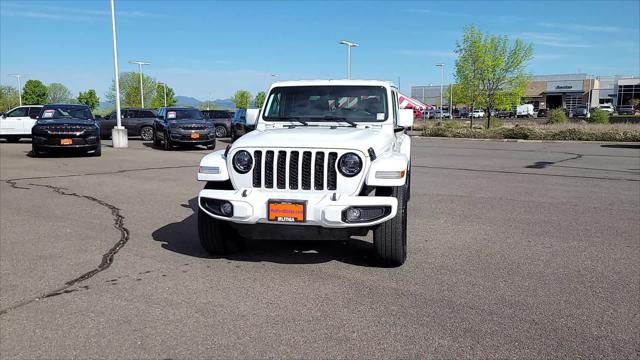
{"points": [[12, 182], [107, 258]]}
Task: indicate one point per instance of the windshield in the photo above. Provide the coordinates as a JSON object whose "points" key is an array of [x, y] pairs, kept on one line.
{"points": [[181, 114], [327, 103], [62, 112]]}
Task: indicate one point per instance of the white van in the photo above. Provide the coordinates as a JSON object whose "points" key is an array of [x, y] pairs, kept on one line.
{"points": [[525, 110]]}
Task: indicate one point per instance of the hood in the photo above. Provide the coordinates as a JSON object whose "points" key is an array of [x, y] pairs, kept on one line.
{"points": [[65, 122], [188, 122], [318, 137]]}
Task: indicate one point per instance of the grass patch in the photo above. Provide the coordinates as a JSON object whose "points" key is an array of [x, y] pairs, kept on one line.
{"points": [[572, 132]]}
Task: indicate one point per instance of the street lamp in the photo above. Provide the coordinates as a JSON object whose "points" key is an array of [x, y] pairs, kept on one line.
{"points": [[349, 46], [18, 76], [165, 93], [441, 66], [118, 133], [140, 63]]}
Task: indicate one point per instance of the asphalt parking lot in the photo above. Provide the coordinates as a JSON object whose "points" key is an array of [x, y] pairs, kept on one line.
{"points": [[516, 250]]}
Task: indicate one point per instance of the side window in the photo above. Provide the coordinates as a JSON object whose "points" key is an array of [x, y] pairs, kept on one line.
{"points": [[148, 114], [394, 105], [34, 111], [22, 111]]}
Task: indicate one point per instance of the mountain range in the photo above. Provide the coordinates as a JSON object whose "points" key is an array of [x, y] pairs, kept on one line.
{"points": [[186, 101]]}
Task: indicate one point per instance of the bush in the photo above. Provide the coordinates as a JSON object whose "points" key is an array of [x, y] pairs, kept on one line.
{"points": [[557, 116], [495, 123], [599, 117], [522, 132]]}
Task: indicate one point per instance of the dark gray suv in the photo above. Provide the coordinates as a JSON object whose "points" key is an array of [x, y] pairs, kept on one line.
{"points": [[138, 122], [221, 119]]}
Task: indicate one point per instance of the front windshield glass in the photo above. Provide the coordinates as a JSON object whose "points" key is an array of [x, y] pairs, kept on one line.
{"points": [[184, 114], [327, 104], [66, 112]]}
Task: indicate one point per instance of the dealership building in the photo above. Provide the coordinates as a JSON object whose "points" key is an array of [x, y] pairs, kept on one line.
{"points": [[558, 91]]}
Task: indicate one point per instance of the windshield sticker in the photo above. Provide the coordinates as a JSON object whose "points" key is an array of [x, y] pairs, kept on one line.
{"points": [[380, 116], [48, 113], [171, 115]]}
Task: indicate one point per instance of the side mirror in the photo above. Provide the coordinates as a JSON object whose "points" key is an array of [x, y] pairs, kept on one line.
{"points": [[405, 118], [252, 116], [107, 117], [97, 117], [33, 116]]}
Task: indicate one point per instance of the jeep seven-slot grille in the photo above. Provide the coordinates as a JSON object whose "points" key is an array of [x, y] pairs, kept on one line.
{"points": [[302, 169]]}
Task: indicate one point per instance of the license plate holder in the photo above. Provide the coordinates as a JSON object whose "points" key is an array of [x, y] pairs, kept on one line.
{"points": [[195, 136], [66, 141], [287, 211]]}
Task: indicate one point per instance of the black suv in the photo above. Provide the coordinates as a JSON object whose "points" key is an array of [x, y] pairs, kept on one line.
{"points": [[182, 126], [239, 125], [138, 122], [221, 119], [62, 126]]}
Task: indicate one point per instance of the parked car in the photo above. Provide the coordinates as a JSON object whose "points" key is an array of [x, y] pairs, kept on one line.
{"points": [[17, 122], [525, 110], [543, 113], [607, 107], [626, 110], [464, 113], [478, 113], [221, 120], [505, 114], [65, 127], [182, 126], [310, 169], [581, 111], [239, 125], [138, 122]]}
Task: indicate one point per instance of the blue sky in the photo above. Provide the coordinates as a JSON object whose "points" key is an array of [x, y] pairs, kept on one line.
{"points": [[216, 47]]}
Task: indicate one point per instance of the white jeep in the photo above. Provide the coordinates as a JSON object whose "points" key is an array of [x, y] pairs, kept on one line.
{"points": [[329, 159]]}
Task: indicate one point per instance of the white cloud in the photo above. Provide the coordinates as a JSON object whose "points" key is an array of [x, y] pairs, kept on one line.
{"points": [[553, 40], [430, 53], [546, 56], [65, 13], [581, 27]]}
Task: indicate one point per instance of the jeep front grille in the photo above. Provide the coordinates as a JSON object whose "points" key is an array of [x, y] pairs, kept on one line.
{"points": [[295, 170], [65, 129]]}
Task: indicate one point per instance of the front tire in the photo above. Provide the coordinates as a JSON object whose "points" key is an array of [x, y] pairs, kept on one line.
{"points": [[146, 133], [167, 142], [216, 236], [13, 139], [390, 237], [34, 151], [98, 151]]}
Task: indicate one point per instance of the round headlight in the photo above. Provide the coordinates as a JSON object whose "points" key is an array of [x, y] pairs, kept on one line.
{"points": [[350, 164], [242, 161]]}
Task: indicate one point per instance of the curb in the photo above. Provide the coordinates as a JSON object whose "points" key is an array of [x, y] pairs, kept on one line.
{"points": [[527, 141]]}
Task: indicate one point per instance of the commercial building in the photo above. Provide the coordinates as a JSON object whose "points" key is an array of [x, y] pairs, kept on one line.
{"points": [[559, 91]]}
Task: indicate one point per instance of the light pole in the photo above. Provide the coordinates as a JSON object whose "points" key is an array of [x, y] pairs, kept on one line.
{"points": [[140, 63], [450, 101], [118, 133], [165, 93], [18, 76], [441, 66], [349, 46]]}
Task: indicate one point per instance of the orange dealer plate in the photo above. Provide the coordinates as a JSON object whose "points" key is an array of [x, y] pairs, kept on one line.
{"points": [[286, 211], [66, 141]]}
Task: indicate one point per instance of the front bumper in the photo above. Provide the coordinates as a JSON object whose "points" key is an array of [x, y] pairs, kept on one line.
{"points": [[250, 206], [185, 138], [89, 142]]}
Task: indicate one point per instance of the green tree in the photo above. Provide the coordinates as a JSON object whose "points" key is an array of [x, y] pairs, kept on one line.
{"points": [[34, 93], [242, 99], [8, 98], [158, 100], [260, 98], [127, 81], [89, 98], [57, 93], [491, 69]]}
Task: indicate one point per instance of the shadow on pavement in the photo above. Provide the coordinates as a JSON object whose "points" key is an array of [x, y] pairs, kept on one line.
{"points": [[149, 144], [182, 237], [621, 146]]}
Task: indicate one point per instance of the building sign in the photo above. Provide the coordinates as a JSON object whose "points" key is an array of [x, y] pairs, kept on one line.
{"points": [[564, 86]]}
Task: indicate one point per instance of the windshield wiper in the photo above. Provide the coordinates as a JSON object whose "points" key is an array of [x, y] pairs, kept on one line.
{"points": [[340, 118], [294, 118]]}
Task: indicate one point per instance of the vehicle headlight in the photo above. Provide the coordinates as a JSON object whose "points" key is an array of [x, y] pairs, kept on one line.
{"points": [[242, 161], [350, 164]]}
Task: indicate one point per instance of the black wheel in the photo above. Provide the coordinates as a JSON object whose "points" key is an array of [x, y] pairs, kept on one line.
{"points": [[216, 236], [221, 132], [98, 150], [146, 133], [211, 146], [156, 141], [390, 237], [34, 151], [13, 139], [167, 142], [233, 135]]}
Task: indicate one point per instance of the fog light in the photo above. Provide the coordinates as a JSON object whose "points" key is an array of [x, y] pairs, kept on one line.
{"points": [[353, 214], [226, 208]]}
